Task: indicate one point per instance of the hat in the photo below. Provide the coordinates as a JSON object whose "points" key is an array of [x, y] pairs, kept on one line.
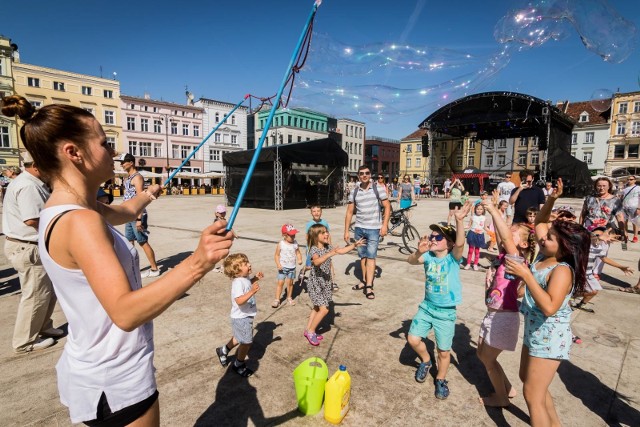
{"points": [[26, 157], [482, 193], [289, 229], [448, 231], [126, 157], [221, 209]]}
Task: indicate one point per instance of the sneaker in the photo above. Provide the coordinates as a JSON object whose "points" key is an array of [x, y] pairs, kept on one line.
{"points": [[222, 357], [442, 389], [466, 267], [52, 332], [242, 370], [150, 273], [475, 267], [422, 371], [313, 339], [39, 344], [335, 287], [576, 339]]}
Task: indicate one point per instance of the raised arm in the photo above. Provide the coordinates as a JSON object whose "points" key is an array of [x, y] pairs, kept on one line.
{"points": [[502, 229], [460, 215], [542, 219]]}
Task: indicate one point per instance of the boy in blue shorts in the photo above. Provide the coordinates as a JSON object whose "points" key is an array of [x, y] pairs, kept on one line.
{"points": [[440, 253]]}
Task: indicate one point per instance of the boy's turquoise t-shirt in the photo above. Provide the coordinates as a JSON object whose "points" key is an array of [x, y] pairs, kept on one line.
{"points": [[442, 286], [312, 222]]}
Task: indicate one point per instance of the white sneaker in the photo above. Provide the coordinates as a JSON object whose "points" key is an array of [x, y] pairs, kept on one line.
{"points": [[40, 344], [466, 267], [52, 332], [150, 273], [475, 267]]}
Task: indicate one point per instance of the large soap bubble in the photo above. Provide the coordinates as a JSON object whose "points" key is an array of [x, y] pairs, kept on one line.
{"points": [[601, 100]]}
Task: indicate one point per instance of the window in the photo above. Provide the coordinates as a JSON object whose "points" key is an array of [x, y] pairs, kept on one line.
{"points": [[233, 119], [175, 151], [289, 139], [144, 125], [408, 162], [58, 86], [109, 118], [459, 161], [589, 137], [157, 126], [635, 128], [214, 155], [299, 139], [584, 117], [418, 148], [622, 108], [5, 142], [618, 152], [146, 108], [409, 148], [157, 149], [522, 159], [636, 107], [184, 151], [234, 139], [132, 106], [472, 143], [523, 142], [145, 149], [174, 128], [418, 161], [502, 143], [86, 90], [36, 104], [155, 109], [443, 160], [501, 160], [586, 157], [490, 144], [88, 109], [218, 119], [111, 142], [351, 148], [459, 146], [472, 160], [633, 151], [131, 123], [216, 137], [489, 161], [574, 138], [33, 82], [196, 130], [133, 148], [185, 129], [108, 93], [535, 158], [622, 128], [534, 143]]}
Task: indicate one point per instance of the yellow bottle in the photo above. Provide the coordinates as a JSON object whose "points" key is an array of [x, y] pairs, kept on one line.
{"points": [[337, 392]]}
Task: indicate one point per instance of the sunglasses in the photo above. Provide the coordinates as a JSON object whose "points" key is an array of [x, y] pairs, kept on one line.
{"points": [[381, 177], [437, 237], [364, 173]]}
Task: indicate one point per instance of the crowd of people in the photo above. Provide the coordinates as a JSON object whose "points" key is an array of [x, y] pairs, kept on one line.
{"points": [[545, 257]]}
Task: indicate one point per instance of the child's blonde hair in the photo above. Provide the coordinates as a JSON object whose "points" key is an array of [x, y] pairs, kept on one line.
{"points": [[525, 234], [313, 233], [233, 263]]}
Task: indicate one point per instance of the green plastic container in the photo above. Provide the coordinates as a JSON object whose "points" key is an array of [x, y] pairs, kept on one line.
{"points": [[310, 377]]}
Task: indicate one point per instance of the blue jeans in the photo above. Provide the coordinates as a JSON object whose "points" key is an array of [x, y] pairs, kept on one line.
{"points": [[286, 273], [372, 237], [131, 233]]}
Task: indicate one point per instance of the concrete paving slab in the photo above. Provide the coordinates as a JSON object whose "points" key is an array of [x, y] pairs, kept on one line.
{"points": [[599, 386]]}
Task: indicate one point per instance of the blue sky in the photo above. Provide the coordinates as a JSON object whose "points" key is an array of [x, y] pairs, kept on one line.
{"points": [[223, 50]]}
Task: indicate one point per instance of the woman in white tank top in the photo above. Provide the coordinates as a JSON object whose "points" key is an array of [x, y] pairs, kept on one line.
{"points": [[105, 373]]}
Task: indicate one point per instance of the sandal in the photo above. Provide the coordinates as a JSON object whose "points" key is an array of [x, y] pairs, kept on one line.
{"points": [[291, 301], [359, 287], [370, 294], [242, 370], [276, 303], [631, 290]]}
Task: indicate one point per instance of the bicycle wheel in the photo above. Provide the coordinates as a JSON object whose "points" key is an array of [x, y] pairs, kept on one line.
{"points": [[410, 238]]}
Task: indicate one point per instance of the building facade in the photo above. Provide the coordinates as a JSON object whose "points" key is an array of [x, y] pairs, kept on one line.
{"points": [[411, 161], [43, 86], [161, 134], [353, 136], [623, 155], [230, 136], [9, 141], [382, 155]]}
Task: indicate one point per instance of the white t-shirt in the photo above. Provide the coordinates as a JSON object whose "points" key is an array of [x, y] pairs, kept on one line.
{"points": [[24, 198], [505, 189], [239, 287], [447, 184], [630, 197], [477, 223], [288, 254]]}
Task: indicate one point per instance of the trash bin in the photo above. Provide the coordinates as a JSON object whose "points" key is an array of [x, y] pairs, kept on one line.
{"points": [[310, 378]]}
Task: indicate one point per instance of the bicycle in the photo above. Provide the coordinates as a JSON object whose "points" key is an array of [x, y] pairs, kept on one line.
{"points": [[409, 234]]}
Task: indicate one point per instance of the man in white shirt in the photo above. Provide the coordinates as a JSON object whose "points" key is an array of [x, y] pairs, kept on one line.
{"points": [[504, 189], [25, 197], [630, 196]]}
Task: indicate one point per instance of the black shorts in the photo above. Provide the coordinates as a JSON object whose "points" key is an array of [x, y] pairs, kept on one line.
{"points": [[454, 205], [123, 417]]}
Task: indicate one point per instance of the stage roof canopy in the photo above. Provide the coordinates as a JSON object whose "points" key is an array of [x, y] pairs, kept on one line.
{"points": [[317, 152]]}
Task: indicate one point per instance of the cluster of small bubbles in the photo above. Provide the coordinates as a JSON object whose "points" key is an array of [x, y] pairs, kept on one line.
{"points": [[601, 100]]}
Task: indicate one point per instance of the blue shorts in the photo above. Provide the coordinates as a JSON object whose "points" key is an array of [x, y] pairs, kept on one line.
{"points": [[416, 191], [405, 203], [441, 319], [372, 237], [131, 233], [286, 273]]}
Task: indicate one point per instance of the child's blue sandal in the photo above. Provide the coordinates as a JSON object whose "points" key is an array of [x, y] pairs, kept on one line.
{"points": [[423, 370], [442, 389]]}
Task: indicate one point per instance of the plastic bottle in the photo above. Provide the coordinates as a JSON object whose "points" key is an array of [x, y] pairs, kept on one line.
{"points": [[336, 396]]}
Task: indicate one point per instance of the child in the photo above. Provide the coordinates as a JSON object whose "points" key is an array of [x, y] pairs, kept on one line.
{"points": [[220, 215], [558, 272], [531, 214], [319, 284], [500, 326], [598, 250], [475, 237], [243, 311], [287, 252], [316, 218], [440, 253]]}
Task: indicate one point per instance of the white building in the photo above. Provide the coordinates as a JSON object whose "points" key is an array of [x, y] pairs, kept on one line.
{"points": [[497, 156], [230, 136], [353, 136]]}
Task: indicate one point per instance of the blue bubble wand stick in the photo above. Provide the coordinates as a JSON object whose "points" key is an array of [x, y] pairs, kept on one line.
{"points": [[195, 150], [256, 155]]}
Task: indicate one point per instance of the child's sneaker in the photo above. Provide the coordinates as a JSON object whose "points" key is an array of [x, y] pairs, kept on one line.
{"points": [[475, 267], [422, 371], [312, 338], [467, 267], [222, 357], [242, 370], [442, 389]]}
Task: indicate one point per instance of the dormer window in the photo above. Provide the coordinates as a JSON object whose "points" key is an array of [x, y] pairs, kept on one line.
{"points": [[584, 117]]}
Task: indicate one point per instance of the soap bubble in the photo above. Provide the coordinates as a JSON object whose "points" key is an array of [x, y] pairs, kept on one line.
{"points": [[601, 100]]}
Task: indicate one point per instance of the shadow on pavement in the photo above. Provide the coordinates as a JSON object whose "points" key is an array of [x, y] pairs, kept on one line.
{"points": [[357, 270], [172, 261]]}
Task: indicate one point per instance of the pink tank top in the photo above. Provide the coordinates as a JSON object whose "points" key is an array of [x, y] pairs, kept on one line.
{"points": [[503, 293]]}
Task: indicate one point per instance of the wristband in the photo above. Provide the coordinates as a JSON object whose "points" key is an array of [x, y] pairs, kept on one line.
{"points": [[138, 219]]}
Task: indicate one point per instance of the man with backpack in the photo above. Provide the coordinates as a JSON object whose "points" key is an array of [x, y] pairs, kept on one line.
{"points": [[370, 204]]}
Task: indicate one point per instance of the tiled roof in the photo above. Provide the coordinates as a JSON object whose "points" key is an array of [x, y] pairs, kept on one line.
{"points": [[574, 109], [415, 135]]}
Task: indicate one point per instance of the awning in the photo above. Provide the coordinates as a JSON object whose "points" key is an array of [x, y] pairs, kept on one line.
{"points": [[471, 175]]}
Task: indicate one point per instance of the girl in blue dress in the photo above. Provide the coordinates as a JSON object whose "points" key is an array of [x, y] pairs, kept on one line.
{"points": [[558, 272]]}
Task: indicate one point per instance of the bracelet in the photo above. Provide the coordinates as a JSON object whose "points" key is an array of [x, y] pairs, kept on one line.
{"points": [[138, 219], [151, 196]]}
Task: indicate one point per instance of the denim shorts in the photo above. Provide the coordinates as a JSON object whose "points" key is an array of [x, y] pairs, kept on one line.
{"points": [[286, 273], [441, 319], [131, 233], [372, 237]]}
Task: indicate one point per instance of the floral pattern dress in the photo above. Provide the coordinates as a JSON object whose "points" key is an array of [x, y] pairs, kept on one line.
{"points": [[601, 212], [319, 283]]}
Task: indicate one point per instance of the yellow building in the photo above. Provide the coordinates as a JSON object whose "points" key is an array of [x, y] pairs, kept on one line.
{"points": [[411, 160], [525, 154], [43, 86], [9, 141], [623, 157]]}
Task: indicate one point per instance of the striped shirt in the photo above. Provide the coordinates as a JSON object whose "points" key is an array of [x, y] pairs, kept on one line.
{"points": [[596, 252], [368, 214]]}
